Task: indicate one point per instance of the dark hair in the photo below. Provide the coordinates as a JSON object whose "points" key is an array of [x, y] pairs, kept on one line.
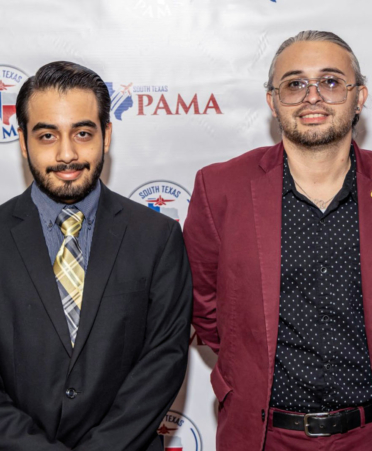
{"points": [[63, 75]]}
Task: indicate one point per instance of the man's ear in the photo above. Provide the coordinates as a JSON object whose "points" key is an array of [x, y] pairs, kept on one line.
{"points": [[270, 102], [108, 133], [22, 142], [362, 97]]}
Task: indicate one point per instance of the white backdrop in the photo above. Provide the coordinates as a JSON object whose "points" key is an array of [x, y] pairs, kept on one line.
{"points": [[158, 57]]}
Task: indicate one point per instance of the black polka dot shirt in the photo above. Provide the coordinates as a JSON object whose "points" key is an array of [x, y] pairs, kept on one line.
{"points": [[322, 362]]}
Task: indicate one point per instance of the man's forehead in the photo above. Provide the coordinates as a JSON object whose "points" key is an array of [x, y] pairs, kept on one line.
{"points": [[62, 106], [73, 95], [308, 58]]}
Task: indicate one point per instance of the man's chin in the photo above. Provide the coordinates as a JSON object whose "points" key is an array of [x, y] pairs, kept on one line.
{"points": [[316, 137], [67, 192]]}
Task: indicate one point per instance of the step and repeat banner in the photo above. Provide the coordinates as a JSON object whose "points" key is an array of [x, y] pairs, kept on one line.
{"points": [[186, 82]]}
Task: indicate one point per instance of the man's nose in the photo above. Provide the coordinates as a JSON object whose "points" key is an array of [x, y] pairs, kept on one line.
{"points": [[312, 94], [66, 150]]}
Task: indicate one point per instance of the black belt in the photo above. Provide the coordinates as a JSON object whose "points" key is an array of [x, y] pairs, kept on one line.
{"points": [[322, 424]]}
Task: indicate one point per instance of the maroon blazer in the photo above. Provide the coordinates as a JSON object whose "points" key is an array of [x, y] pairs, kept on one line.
{"points": [[233, 238]]}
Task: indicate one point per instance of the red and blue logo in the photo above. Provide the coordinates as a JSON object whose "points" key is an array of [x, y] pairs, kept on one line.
{"points": [[157, 100], [165, 197], [179, 433], [11, 80], [121, 99]]}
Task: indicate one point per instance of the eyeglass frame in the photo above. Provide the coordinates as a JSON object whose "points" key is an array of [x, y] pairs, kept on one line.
{"points": [[347, 86]]}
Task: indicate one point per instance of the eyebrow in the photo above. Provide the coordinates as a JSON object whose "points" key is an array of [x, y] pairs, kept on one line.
{"points": [[86, 123], [333, 69], [300, 72], [41, 125], [45, 125]]}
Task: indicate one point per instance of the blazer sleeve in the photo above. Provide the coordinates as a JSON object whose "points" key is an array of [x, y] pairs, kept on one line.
{"points": [[18, 432], [153, 383], [202, 243]]}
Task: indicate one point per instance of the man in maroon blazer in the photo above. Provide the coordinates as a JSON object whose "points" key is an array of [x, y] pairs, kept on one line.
{"points": [[283, 281]]}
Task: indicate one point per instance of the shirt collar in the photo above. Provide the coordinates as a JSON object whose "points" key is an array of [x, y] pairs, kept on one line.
{"points": [[349, 186], [49, 209]]}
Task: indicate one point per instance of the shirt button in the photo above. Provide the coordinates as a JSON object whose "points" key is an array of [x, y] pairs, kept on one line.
{"points": [[263, 415], [71, 393], [327, 366], [50, 225], [323, 270], [325, 319], [322, 221]]}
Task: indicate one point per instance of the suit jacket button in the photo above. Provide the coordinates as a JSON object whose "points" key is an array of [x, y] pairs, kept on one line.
{"points": [[71, 393]]}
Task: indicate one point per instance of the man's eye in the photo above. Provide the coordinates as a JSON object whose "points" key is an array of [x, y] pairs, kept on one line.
{"points": [[47, 136], [330, 83], [295, 84], [83, 134]]}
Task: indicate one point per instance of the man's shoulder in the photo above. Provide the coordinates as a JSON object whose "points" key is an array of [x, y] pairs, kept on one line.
{"points": [[138, 213], [366, 153], [247, 164], [7, 208]]}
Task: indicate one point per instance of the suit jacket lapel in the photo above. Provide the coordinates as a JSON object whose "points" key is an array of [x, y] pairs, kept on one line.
{"points": [[267, 206], [108, 234], [364, 185], [30, 241]]}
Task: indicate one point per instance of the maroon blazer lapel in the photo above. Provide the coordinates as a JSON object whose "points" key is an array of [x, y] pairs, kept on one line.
{"points": [[267, 207], [364, 184]]}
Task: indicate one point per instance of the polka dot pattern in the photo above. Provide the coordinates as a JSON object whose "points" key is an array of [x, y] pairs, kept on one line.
{"points": [[322, 361]]}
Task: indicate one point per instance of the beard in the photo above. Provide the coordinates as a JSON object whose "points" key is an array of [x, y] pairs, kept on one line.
{"points": [[339, 128], [68, 192]]}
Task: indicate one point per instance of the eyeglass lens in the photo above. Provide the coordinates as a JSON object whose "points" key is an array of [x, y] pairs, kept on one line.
{"points": [[332, 90]]}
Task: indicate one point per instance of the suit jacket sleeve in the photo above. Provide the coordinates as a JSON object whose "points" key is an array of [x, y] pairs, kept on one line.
{"points": [[202, 243], [153, 383], [18, 432]]}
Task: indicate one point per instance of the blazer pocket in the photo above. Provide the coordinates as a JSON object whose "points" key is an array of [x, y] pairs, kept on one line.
{"points": [[127, 286], [220, 387]]}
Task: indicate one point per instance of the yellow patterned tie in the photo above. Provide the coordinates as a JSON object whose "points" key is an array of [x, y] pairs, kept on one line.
{"points": [[69, 268]]}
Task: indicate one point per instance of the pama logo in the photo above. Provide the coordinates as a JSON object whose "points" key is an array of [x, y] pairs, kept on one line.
{"points": [[179, 433], [155, 100], [164, 197], [11, 80]]}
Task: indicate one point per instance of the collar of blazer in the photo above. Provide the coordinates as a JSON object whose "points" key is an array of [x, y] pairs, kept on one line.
{"points": [[273, 157]]}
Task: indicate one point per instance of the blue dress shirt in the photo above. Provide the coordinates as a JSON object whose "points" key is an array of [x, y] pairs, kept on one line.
{"points": [[49, 211]]}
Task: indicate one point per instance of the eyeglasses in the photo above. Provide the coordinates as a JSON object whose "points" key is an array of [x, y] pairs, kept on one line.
{"points": [[331, 90]]}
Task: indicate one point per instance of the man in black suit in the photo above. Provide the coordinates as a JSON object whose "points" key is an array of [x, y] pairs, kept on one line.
{"points": [[95, 290]]}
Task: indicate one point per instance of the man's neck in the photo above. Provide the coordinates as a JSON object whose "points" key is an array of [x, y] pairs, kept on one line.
{"points": [[319, 172]]}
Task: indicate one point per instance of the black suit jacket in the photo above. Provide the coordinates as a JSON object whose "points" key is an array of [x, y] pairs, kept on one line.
{"points": [[130, 353]]}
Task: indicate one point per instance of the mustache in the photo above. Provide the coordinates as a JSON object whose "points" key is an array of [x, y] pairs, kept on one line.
{"points": [[68, 167]]}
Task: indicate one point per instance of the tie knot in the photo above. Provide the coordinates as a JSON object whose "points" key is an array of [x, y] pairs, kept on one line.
{"points": [[70, 221]]}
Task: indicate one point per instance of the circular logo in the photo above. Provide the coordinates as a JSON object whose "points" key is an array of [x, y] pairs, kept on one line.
{"points": [[11, 80], [179, 433], [164, 197]]}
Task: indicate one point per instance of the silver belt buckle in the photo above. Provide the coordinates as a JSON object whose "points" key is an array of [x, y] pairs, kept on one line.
{"points": [[306, 424]]}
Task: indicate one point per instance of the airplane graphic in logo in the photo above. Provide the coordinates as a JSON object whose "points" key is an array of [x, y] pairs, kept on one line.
{"points": [[159, 201], [120, 100], [158, 205], [3, 86], [163, 430], [126, 88]]}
